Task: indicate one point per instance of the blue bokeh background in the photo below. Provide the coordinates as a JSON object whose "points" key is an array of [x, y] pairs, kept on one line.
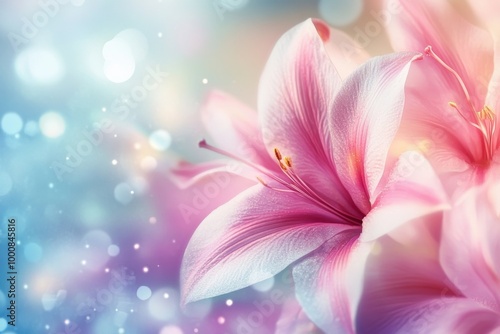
{"points": [[98, 101]]}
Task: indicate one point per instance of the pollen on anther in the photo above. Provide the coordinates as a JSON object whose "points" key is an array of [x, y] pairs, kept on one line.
{"points": [[486, 112], [288, 161], [278, 155], [452, 104]]}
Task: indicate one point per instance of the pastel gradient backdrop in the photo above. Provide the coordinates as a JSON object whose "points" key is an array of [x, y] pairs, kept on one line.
{"points": [[99, 99]]}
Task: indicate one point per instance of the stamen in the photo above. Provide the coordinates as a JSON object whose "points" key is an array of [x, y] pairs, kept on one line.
{"points": [[486, 112], [483, 120], [297, 185], [277, 153], [261, 181], [455, 106], [429, 52]]}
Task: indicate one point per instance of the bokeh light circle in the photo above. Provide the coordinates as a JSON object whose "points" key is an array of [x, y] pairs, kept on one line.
{"points": [[119, 63], [123, 193], [160, 140], [143, 292], [148, 163], [52, 124], [163, 304], [136, 41], [39, 66], [12, 123], [340, 12], [31, 128], [170, 329], [33, 252], [113, 250], [77, 3]]}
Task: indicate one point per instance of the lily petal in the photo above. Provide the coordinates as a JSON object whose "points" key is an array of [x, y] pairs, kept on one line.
{"points": [[296, 92], [345, 53], [234, 128], [402, 296], [322, 283], [474, 225], [414, 190], [252, 238], [364, 120], [465, 47]]}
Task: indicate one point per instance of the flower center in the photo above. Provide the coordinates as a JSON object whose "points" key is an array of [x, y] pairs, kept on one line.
{"points": [[483, 120], [292, 182]]}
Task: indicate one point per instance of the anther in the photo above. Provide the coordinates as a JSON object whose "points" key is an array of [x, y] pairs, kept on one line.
{"points": [[261, 181], [486, 112], [288, 161], [277, 153]]}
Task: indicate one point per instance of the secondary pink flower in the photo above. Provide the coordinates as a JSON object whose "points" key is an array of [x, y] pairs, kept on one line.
{"points": [[470, 246], [452, 98], [439, 282], [324, 180]]}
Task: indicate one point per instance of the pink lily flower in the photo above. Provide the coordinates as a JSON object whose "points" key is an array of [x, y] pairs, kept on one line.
{"points": [[449, 286], [328, 184], [453, 96]]}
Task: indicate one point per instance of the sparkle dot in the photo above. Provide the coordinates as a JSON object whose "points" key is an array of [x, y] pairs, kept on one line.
{"points": [[84, 262], [131, 310], [137, 246], [47, 327], [221, 320], [114, 162], [106, 270], [87, 246], [205, 81], [103, 109], [152, 220], [121, 331], [166, 295], [173, 241], [66, 322], [137, 146], [25, 286], [196, 330], [229, 302], [160, 34], [87, 317], [51, 185], [131, 192], [145, 269], [115, 135]]}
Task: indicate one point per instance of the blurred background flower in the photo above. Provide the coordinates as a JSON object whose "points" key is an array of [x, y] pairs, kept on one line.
{"points": [[99, 100]]}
